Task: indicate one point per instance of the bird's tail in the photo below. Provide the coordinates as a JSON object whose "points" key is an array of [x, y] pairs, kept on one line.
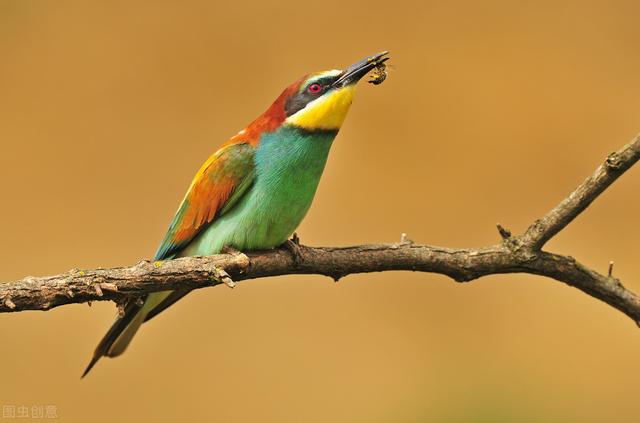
{"points": [[118, 337]]}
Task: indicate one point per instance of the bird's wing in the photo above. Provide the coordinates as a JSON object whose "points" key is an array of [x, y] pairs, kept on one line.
{"points": [[219, 184]]}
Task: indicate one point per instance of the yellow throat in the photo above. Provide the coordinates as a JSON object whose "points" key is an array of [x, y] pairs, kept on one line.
{"points": [[327, 112]]}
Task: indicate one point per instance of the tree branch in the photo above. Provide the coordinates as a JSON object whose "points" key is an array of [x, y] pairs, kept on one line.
{"points": [[515, 254]]}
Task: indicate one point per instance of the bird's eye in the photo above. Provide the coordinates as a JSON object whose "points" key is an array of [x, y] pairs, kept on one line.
{"points": [[314, 88]]}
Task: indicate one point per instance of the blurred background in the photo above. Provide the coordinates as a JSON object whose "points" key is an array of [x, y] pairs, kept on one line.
{"points": [[495, 111]]}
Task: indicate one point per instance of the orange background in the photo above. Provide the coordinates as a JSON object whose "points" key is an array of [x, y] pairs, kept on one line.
{"points": [[495, 111]]}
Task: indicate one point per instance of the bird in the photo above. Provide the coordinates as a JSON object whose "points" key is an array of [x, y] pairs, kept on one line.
{"points": [[253, 192]]}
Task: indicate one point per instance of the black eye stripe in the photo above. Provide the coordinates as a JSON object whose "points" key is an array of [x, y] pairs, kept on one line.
{"points": [[298, 101]]}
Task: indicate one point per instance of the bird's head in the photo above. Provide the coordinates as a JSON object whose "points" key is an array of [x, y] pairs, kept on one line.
{"points": [[316, 102], [321, 100]]}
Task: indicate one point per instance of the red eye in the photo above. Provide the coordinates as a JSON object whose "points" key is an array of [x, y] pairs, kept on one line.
{"points": [[315, 88]]}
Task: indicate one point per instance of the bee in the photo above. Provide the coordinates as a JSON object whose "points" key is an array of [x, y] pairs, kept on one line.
{"points": [[379, 74]]}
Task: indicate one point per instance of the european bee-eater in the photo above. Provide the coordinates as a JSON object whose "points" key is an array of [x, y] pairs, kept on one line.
{"points": [[254, 191]]}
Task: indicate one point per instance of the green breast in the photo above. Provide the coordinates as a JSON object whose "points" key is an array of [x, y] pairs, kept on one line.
{"points": [[289, 163]]}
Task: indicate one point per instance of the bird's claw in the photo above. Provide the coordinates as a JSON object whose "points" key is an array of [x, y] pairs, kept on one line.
{"points": [[293, 246], [227, 249], [221, 274]]}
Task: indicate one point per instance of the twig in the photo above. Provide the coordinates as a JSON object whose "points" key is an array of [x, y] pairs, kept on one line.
{"points": [[553, 222], [504, 233], [517, 254]]}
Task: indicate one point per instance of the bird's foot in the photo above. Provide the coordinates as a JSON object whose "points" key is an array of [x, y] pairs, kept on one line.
{"points": [[222, 275], [225, 278], [227, 249], [293, 246]]}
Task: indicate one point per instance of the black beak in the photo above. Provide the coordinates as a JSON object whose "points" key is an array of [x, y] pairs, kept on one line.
{"points": [[355, 72]]}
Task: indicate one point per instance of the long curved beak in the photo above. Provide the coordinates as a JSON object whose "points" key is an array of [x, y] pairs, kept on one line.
{"points": [[355, 72]]}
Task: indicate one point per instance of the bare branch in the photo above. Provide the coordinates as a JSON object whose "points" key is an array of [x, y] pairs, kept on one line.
{"points": [[553, 222], [515, 254]]}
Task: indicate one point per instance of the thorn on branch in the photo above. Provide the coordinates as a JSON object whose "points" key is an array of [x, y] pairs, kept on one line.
{"points": [[504, 233], [335, 276], [404, 239], [10, 304], [610, 272]]}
